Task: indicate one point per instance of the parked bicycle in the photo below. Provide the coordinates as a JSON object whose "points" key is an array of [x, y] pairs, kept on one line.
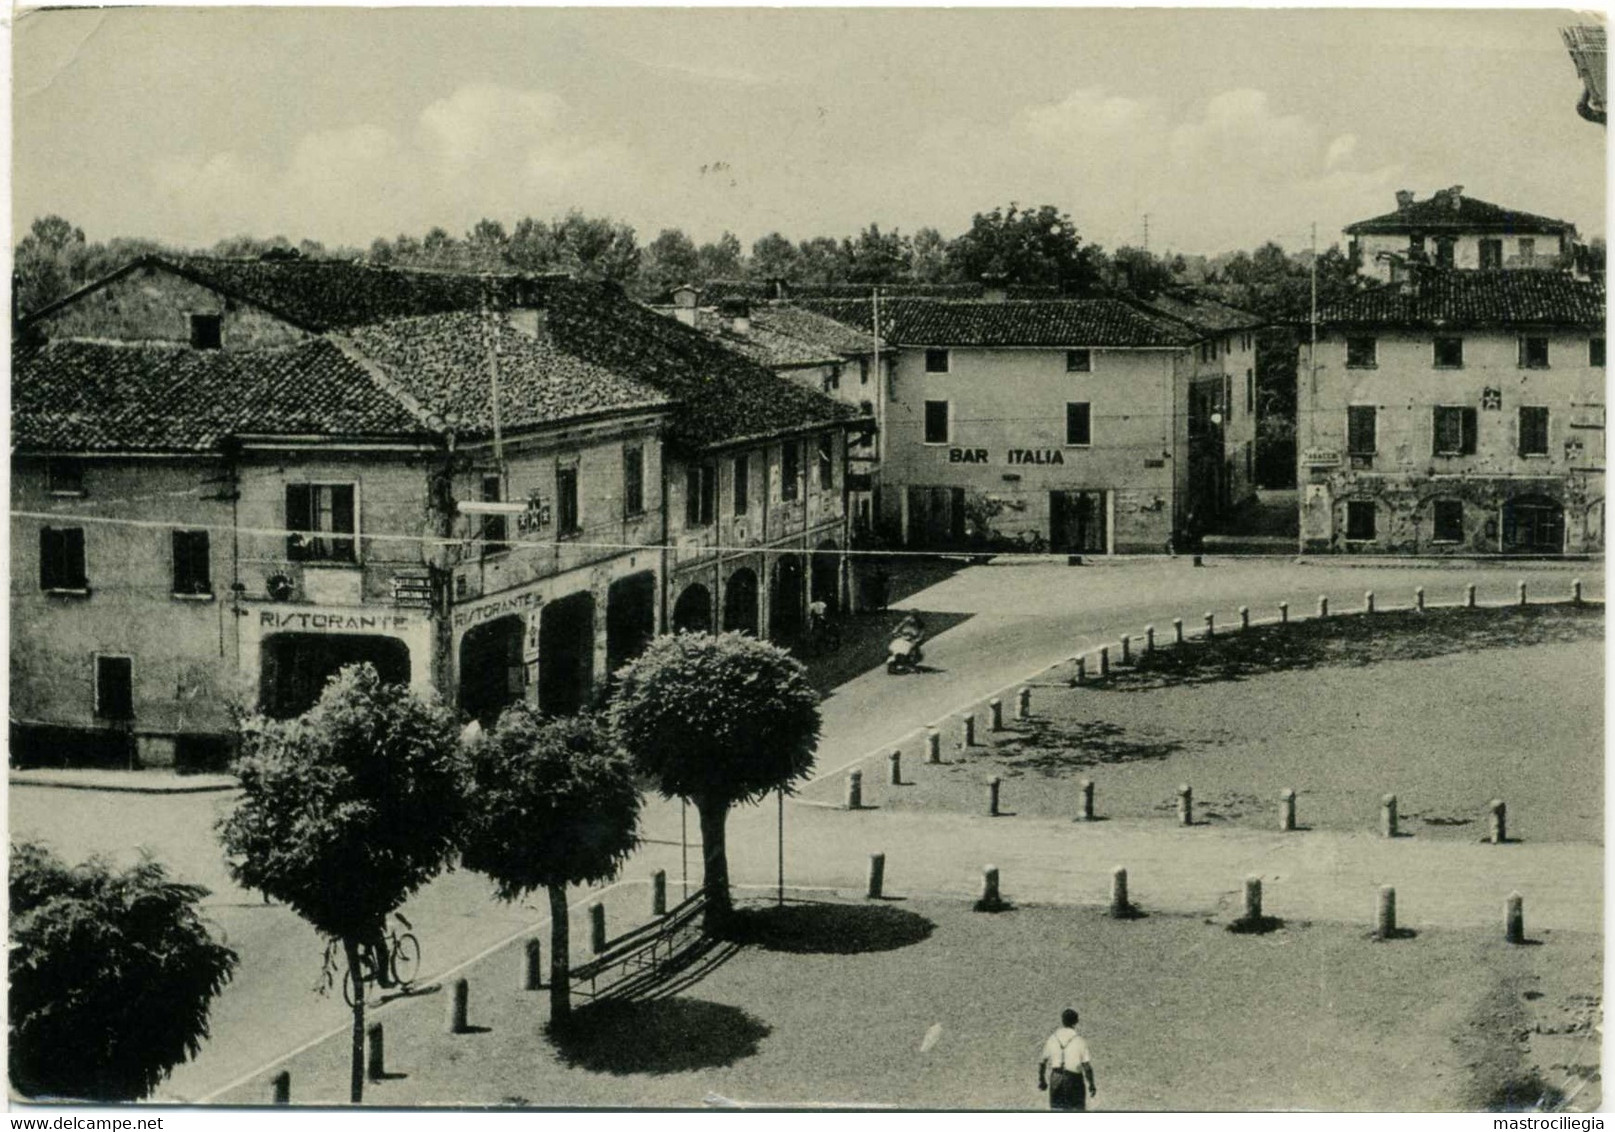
{"points": [[823, 630], [397, 955]]}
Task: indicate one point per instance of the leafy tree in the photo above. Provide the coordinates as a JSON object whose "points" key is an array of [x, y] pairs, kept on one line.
{"points": [[822, 262], [248, 247], [112, 976], [1031, 247], [720, 259], [670, 259], [597, 248], [346, 811], [775, 257], [716, 720], [552, 803], [876, 257], [928, 259], [1139, 273]]}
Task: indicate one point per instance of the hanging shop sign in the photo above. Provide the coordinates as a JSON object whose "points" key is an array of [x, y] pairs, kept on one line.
{"points": [[412, 590]]}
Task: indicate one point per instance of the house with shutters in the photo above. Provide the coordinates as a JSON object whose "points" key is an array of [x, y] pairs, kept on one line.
{"points": [[1094, 425], [1456, 412], [230, 478], [1451, 230]]}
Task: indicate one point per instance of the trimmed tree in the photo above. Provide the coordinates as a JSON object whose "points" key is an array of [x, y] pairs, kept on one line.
{"points": [[346, 811], [716, 720], [112, 976], [553, 802]]}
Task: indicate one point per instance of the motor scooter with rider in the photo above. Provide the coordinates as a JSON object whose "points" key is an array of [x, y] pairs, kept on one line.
{"points": [[903, 652]]}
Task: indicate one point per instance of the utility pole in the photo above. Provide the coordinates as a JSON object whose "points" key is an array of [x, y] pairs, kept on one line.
{"points": [[1146, 231]]}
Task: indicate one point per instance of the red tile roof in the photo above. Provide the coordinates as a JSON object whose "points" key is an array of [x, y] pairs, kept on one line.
{"points": [[1475, 298], [1013, 322], [1437, 214]]}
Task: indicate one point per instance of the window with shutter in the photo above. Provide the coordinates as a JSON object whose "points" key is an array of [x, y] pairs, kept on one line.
{"points": [[1454, 430], [320, 515], [1078, 423], [790, 469], [192, 565], [61, 559], [1362, 427], [114, 687], [1533, 430], [936, 422]]}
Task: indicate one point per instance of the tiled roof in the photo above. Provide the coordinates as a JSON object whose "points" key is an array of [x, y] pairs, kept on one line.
{"points": [[722, 397], [1208, 315], [1475, 298], [1014, 322], [441, 361], [85, 396], [717, 290], [1438, 214], [331, 294], [782, 336]]}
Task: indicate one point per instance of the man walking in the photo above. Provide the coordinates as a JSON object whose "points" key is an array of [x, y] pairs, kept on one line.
{"points": [[1065, 1070]]}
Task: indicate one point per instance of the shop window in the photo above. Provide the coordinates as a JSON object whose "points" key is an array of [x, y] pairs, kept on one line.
{"points": [[790, 469], [742, 488], [61, 559], [1362, 427], [1595, 352], [1361, 353], [206, 332], [193, 572], [936, 361], [321, 519], [114, 687], [936, 422], [1079, 361], [1360, 520], [1449, 353], [633, 481], [1449, 521], [1534, 352], [64, 476], [568, 520], [827, 463], [1533, 430], [1454, 430], [495, 528], [1078, 423]]}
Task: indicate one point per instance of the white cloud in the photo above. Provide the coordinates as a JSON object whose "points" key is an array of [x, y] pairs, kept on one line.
{"points": [[1340, 149]]}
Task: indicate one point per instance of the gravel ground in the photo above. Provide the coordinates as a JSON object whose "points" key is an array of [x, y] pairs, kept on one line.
{"points": [[1342, 720], [1180, 1013]]}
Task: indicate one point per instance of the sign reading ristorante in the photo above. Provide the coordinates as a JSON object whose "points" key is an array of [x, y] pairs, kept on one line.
{"points": [[333, 621], [1011, 456]]}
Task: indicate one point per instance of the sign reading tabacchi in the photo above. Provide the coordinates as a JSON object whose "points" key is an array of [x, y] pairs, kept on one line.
{"points": [[1011, 456]]}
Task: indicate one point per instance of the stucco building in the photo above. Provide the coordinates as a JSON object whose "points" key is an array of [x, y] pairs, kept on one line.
{"points": [[1451, 230], [1456, 412]]}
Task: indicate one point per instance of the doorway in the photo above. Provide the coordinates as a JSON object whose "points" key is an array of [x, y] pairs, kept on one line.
{"points": [[1077, 522]]}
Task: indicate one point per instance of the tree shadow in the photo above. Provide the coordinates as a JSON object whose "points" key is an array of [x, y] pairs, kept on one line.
{"points": [[829, 929], [1393, 934], [665, 1035], [1255, 925], [1053, 749]]}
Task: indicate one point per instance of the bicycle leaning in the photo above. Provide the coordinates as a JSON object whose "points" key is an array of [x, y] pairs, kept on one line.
{"points": [[391, 961]]}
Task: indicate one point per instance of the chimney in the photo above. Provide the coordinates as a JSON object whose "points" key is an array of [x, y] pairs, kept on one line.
{"points": [[684, 297], [1455, 196], [1404, 199], [994, 288], [736, 316], [525, 320]]}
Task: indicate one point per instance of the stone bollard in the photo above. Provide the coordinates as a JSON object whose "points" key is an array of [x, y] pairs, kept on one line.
{"points": [[1197, 561], [376, 1064], [1119, 906], [895, 762], [855, 790], [1387, 815], [1253, 899], [1104, 661], [280, 1087], [1514, 918], [459, 1007], [995, 715], [1522, 591], [1368, 602], [1575, 592], [1082, 670], [877, 875], [1323, 605], [1469, 596], [533, 976], [1023, 703], [1177, 629], [1087, 799], [1149, 639], [1284, 613], [992, 797], [1185, 805], [1244, 617], [1127, 649], [1499, 822], [597, 928], [1211, 625], [933, 746], [658, 893], [968, 727], [1287, 810], [1385, 921], [990, 899]]}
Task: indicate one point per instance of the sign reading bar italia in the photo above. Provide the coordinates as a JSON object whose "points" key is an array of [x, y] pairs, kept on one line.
{"points": [[1011, 456]]}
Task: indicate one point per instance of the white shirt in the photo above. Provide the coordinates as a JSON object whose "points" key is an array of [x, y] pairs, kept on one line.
{"points": [[1072, 1056]]}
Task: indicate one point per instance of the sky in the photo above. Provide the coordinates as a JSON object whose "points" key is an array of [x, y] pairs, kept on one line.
{"points": [[1217, 128]]}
